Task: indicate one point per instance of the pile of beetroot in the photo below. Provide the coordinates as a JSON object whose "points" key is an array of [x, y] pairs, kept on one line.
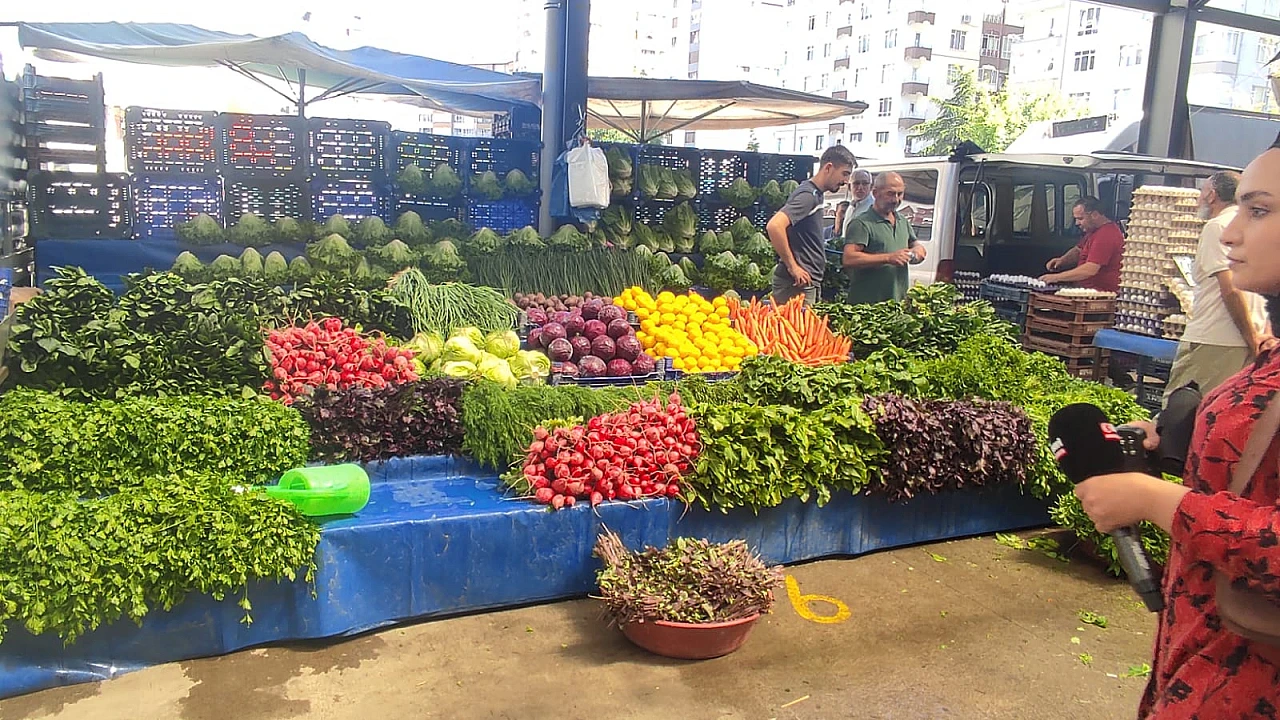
{"points": [[325, 354], [641, 452], [592, 340]]}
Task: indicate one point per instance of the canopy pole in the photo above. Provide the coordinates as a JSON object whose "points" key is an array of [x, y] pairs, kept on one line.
{"points": [[644, 121], [564, 90], [302, 92]]}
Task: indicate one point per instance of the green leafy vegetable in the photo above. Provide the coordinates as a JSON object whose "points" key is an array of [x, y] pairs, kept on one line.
{"points": [[202, 230]]}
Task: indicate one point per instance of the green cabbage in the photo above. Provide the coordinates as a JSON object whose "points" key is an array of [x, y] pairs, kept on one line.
{"points": [[567, 238], [458, 369], [530, 364], [484, 242], [519, 184], [189, 267], [472, 333], [427, 346], [497, 370], [442, 259], [251, 263], [526, 237], [274, 268], [410, 228], [332, 253], [503, 343], [299, 269], [460, 348], [412, 180], [486, 185], [288, 230], [394, 256], [250, 231], [445, 183], [202, 230], [372, 232], [224, 266], [336, 225]]}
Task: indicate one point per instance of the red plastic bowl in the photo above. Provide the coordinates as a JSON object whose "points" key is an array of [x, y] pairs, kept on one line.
{"points": [[690, 641]]}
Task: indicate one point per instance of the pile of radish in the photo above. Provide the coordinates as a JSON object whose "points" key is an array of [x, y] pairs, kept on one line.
{"points": [[641, 452], [325, 354], [592, 340]]}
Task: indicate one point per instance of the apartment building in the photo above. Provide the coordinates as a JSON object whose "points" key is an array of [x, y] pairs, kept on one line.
{"points": [[1097, 55], [893, 55], [629, 38]]}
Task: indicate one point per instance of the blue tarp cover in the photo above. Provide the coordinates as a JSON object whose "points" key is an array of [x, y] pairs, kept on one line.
{"points": [[437, 538], [1134, 344], [424, 81]]}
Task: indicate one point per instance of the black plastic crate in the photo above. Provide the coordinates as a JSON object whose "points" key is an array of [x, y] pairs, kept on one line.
{"points": [[662, 372], [524, 122], [352, 198], [45, 98], [170, 141], [268, 198], [718, 216], [262, 145], [427, 151], [719, 168], [349, 148], [162, 201], [652, 212], [502, 216], [429, 209], [502, 156], [673, 158], [70, 206], [781, 168]]}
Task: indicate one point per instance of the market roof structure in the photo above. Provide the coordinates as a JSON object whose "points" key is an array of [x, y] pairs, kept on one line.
{"points": [[292, 58]]}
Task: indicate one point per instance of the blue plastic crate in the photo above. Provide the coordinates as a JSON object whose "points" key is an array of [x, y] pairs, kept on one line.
{"points": [[348, 148], [6, 285], [262, 145], [502, 156], [719, 169], [663, 371], [429, 209], [353, 198], [502, 216], [781, 168], [162, 201], [74, 206], [268, 198], [170, 141]]}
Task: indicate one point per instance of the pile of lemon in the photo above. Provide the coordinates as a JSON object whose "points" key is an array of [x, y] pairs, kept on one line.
{"points": [[692, 331]]}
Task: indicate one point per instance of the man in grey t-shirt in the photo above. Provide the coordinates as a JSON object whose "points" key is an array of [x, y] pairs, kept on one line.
{"points": [[796, 230]]}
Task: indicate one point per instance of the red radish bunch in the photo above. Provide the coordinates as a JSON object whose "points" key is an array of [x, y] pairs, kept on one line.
{"points": [[325, 354], [639, 453]]}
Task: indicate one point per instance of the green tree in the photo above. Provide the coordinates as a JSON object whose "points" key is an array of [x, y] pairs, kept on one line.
{"points": [[753, 144], [992, 119], [613, 135]]}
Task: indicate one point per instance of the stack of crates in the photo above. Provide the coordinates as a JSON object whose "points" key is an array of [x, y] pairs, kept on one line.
{"points": [[173, 157], [348, 168], [1010, 302], [428, 152], [1064, 327]]}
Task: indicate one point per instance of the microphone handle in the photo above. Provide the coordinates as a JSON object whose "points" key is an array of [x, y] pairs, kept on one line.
{"points": [[1136, 567]]}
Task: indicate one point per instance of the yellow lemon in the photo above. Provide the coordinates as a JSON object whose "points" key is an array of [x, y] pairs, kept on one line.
{"points": [[668, 318], [666, 296], [720, 301], [722, 311], [677, 363]]}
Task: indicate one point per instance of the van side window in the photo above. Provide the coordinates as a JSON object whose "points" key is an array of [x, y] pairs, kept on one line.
{"points": [[918, 202]]}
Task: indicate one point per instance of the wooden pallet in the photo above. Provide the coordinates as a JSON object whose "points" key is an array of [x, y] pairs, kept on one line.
{"points": [[1079, 334], [1088, 369], [1056, 323], [1060, 348], [1072, 308]]}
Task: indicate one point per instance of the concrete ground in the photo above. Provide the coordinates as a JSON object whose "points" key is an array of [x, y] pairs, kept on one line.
{"points": [[971, 629]]}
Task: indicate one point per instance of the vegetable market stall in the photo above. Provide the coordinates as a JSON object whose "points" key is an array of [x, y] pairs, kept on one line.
{"points": [[437, 538]]}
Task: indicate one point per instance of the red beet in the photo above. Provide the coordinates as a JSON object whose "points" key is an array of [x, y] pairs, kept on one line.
{"points": [[618, 368], [609, 313], [628, 347], [592, 366], [604, 348], [581, 346], [619, 328]]}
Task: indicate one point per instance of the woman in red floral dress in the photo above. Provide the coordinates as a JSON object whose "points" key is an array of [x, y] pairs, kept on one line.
{"points": [[1201, 670]]}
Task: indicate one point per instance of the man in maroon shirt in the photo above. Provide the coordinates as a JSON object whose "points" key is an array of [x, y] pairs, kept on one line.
{"points": [[1095, 262]]}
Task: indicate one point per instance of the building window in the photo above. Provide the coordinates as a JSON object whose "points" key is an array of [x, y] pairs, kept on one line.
{"points": [[958, 39], [857, 76], [805, 87], [1199, 47], [1089, 21], [886, 107], [864, 43], [825, 79], [1131, 55], [1261, 94], [989, 75], [866, 11], [689, 137], [1266, 49], [808, 53], [855, 137], [818, 141], [801, 148], [1084, 60], [813, 21], [882, 138], [675, 22], [673, 42], [826, 50], [1079, 98], [1120, 98], [886, 71], [1234, 37], [826, 22], [890, 39], [953, 73]]}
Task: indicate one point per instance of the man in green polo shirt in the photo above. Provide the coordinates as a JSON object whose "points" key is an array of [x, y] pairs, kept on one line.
{"points": [[880, 244]]}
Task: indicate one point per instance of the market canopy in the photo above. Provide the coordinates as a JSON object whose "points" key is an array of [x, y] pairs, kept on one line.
{"points": [[648, 108], [292, 58]]}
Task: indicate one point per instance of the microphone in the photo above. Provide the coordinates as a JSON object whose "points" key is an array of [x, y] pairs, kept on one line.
{"points": [[1086, 445]]}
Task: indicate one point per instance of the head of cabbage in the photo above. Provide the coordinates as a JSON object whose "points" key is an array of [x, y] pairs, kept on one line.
{"points": [[496, 369], [530, 364], [474, 334], [458, 369], [427, 346], [503, 343], [461, 349]]}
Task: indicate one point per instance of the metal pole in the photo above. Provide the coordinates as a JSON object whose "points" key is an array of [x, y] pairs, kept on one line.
{"points": [[1166, 129], [302, 93], [552, 107]]}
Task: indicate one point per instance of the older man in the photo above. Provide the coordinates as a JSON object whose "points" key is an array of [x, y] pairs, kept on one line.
{"points": [[862, 198], [880, 244]]}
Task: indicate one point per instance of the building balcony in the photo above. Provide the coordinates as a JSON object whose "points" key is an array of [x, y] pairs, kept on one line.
{"points": [[915, 52], [846, 31], [847, 1], [909, 120], [840, 95], [921, 17], [915, 87], [842, 64]]}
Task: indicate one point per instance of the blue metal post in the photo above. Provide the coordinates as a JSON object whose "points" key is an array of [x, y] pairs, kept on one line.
{"points": [[564, 89]]}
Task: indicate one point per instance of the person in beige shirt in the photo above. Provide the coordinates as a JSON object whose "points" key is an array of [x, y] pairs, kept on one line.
{"points": [[1226, 326]]}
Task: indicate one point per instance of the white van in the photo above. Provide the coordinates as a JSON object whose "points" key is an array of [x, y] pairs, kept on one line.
{"points": [[997, 213]]}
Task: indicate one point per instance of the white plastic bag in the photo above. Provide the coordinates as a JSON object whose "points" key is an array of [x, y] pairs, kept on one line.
{"points": [[588, 177]]}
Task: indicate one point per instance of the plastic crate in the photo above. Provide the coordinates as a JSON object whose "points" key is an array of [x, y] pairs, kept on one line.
{"points": [[79, 102], [524, 122], [673, 158], [652, 212], [718, 216], [352, 198], [262, 145], [502, 216], [162, 201], [170, 141], [70, 206], [426, 151], [429, 209], [662, 372], [502, 156], [991, 291], [719, 168], [268, 198], [348, 148], [782, 168]]}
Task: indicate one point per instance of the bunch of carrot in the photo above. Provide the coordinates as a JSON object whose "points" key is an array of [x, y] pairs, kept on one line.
{"points": [[792, 332]]}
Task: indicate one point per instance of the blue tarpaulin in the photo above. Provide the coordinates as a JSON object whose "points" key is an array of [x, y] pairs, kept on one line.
{"points": [[110, 260], [1134, 344], [437, 538], [292, 58]]}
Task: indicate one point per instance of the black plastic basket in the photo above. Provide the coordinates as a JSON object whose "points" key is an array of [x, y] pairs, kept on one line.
{"points": [[426, 151], [170, 141], [162, 201], [262, 145], [71, 206], [348, 148], [782, 168], [718, 217], [672, 158], [269, 198], [502, 156], [719, 169], [353, 198]]}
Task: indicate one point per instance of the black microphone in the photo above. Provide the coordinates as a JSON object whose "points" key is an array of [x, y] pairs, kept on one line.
{"points": [[1086, 445]]}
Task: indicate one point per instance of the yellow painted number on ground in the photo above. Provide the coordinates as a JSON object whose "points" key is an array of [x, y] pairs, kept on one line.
{"points": [[804, 605]]}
